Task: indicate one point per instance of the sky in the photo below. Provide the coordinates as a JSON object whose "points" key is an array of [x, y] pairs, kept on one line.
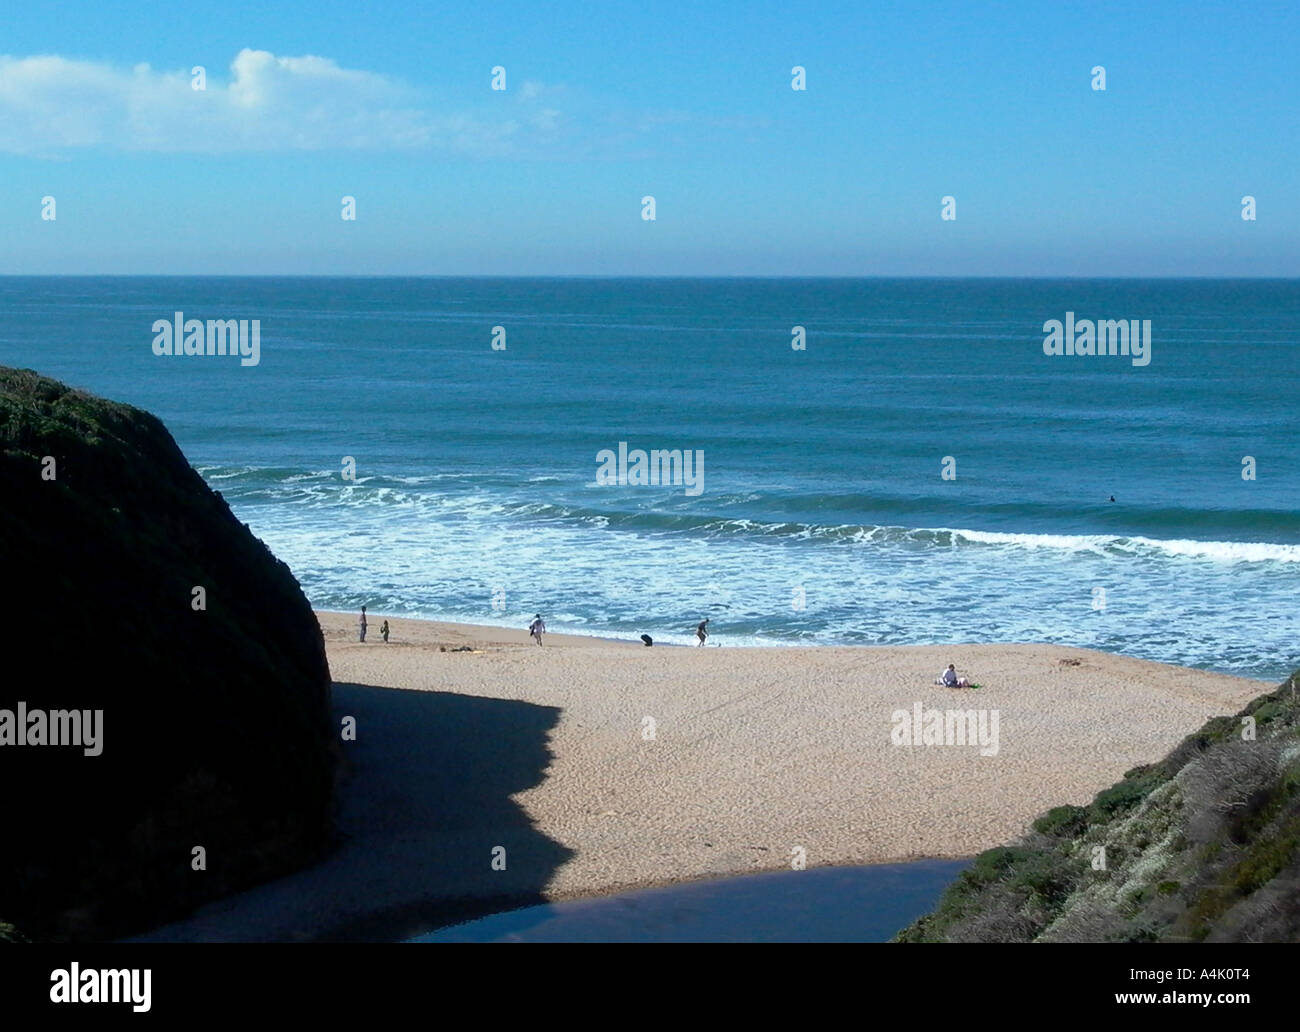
{"points": [[691, 103]]}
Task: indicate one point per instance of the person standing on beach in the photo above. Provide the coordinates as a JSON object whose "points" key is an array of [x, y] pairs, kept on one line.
{"points": [[361, 624], [701, 631], [383, 631], [537, 628]]}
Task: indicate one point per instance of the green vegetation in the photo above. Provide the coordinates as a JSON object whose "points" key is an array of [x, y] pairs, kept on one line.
{"points": [[1062, 821], [1202, 846], [216, 722]]}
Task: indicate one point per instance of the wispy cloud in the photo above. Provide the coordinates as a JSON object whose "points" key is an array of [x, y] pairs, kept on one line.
{"points": [[51, 104]]}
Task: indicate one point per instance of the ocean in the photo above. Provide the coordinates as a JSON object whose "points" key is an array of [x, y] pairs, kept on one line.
{"points": [[919, 472]]}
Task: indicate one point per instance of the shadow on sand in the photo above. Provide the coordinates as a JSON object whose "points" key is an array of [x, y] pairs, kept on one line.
{"points": [[423, 804]]}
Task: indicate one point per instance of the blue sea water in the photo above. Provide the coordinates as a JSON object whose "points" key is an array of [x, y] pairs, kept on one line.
{"points": [[823, 517], [823, 904]]}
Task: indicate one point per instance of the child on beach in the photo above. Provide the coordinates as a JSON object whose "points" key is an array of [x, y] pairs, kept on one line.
{"points": [[537, 628], [383, 631]]}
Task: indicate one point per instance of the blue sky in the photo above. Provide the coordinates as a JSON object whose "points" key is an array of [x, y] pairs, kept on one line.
{"points": [[689, 102]]}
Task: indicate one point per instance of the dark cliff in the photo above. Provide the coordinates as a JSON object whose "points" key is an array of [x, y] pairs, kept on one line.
{"points": [[216, 729]]}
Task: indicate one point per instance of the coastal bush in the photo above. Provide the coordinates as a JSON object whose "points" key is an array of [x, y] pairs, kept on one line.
{"points": [[1269, 712], [1062, 821], [995, 864], [1136, 786]]}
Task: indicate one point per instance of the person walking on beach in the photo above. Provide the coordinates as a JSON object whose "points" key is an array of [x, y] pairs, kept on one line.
{"points": [[702, 632], [361, 624], [537, 628], [383, 631]]}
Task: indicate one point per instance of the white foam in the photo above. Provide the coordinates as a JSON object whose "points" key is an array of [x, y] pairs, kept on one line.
{"points": [[1223, 551]]}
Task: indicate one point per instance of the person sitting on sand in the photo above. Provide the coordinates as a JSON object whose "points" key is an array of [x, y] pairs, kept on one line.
{"points": [[949, 679], [383, 631], [537, 628], [701, 631]]}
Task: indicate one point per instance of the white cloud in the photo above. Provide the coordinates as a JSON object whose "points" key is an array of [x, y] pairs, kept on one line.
{"points": [[50, 104]]}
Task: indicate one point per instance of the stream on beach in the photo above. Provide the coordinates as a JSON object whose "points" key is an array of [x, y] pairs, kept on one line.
{"points": [[826, 904]]}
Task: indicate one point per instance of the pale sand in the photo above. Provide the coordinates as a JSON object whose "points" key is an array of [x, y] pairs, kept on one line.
{"points": [[756, 751]]}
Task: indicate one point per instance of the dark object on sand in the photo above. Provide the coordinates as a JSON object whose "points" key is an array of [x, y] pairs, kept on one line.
{"points": [[648, 640]]}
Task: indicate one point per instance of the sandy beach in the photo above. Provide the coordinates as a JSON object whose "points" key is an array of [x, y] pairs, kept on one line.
{"points": [[488, 773]]}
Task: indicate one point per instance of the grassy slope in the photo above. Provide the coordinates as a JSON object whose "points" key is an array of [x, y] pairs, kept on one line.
{"points": [[1202, 846]]}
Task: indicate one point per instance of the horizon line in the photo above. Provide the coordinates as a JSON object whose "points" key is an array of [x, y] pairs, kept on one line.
{"points": [[621, 276]]}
